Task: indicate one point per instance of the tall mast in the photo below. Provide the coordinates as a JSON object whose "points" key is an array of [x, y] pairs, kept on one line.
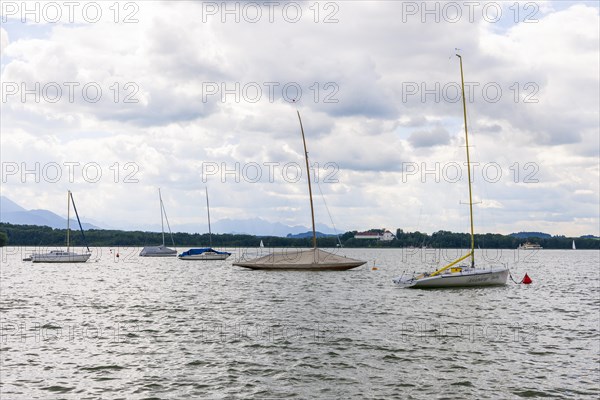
{"points": [[312, 210], [162, 226], [208, 212], [462, 81], [68, 217]]}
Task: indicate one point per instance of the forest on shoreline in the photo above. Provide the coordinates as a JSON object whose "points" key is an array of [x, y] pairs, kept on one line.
{"points": [[32, 235]]}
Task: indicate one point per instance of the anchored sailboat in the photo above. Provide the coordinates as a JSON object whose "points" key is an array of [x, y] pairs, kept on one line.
{"points": [[206, 253], [59, 256], [452, 275], [162, 250], [573, 246], [302, 259]]}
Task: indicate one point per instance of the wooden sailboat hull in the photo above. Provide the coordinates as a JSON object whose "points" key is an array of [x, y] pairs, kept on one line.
{"points": [[467, 278]]}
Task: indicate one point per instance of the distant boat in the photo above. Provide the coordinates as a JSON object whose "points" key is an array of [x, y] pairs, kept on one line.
{"points": [[529, 246], [206, 253], [59, 256], [453, 275], [573, 246], [303, 259], [162, 250], [261, 245]]}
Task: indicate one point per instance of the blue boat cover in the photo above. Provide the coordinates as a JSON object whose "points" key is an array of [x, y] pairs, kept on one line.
{"points": [[192, 252]]}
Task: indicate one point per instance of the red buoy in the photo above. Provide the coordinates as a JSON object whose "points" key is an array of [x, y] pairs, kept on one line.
{"points": [[526, 279]]}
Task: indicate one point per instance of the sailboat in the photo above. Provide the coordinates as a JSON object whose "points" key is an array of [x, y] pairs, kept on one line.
{"points": [[162, 250], [303, 259], [59, 256], [452, 275], [573, 246], [206, 253]]}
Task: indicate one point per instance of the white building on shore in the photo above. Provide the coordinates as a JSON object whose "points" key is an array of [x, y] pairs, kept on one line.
{"points": [[386, 236]]}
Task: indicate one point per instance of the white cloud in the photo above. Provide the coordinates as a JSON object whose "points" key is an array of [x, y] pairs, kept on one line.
{"points": [[372, 126]]}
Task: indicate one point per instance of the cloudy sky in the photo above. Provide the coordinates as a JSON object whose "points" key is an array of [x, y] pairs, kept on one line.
{"points": [[115, 101]]}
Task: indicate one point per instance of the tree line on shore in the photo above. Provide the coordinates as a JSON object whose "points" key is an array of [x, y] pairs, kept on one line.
{"points": [[32, 235]]}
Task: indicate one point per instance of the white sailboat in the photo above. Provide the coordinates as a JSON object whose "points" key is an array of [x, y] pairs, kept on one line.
{"points": [[205, 253], [60, 256], [452, 275], [161, 250], [573, 246], [303, 259]]}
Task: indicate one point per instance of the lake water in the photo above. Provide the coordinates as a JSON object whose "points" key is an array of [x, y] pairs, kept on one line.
{"points": [[134, 328]]}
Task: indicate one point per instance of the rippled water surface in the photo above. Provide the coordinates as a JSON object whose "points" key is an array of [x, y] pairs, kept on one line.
{"points": [[134, 328]]}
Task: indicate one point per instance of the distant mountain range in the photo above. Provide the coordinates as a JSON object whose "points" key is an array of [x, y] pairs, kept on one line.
{"points": [[251, 226], [542, 235], [308, 235], [13, 213]]}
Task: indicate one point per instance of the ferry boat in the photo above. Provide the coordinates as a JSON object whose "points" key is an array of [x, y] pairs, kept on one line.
{"points": [[530, 246]]}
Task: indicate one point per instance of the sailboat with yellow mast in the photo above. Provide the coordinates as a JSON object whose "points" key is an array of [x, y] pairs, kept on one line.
{"points": [[453, 274]]}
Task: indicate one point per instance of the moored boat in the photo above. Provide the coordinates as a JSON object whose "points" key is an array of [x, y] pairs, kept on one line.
{"points": [[60, 256], [453, 274], [206, 253]]}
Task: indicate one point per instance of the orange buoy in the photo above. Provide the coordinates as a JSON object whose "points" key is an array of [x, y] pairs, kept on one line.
{"points": [[526, 279]]}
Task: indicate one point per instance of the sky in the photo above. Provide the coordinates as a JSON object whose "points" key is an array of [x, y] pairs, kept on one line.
{"points": [[113, 100]]}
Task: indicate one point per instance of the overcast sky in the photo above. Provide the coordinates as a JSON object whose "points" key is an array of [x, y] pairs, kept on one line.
{"points": [[114, 102]]}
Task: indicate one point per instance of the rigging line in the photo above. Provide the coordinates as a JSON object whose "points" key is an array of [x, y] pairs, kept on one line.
{"points": [[168, 226], [329, 213], [513, 279], [162, 223], [79, 222]]}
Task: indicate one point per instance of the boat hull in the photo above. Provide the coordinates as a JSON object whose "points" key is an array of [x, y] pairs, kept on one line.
{"points": [[466, 278], [302, 267], [205, 257], [60, 258], [157, 251], [302, 260]]}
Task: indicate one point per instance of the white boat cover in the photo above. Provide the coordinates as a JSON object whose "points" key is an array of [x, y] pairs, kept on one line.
{"points": [[157, 251]]}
